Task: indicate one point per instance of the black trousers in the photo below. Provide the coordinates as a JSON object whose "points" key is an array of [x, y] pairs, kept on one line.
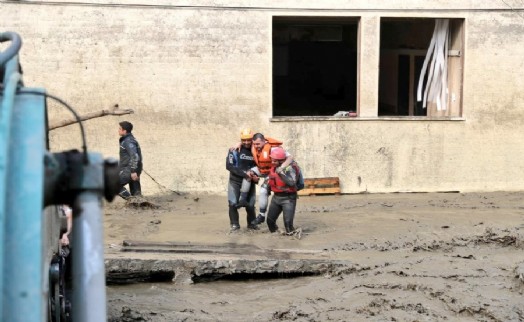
{"points": [[134, 186], [233, 193], [285, 203]]}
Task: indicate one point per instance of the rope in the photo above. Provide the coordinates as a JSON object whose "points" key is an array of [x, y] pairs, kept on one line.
{"points": [[159, 184]]}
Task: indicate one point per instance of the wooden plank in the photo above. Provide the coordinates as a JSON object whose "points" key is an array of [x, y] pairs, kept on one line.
{"points": [[328, 185], [146, 243], [228, 248], [240, 251], [322, 186], [316, 181], [315, 191]]}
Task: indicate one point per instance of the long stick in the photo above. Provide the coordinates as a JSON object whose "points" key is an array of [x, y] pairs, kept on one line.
{"points": [[113, 111]]}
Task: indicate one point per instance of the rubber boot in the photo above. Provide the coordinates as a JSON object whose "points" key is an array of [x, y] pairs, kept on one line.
{"points": [[259, 220], [289, 228], [272, 224], [124, 193]]}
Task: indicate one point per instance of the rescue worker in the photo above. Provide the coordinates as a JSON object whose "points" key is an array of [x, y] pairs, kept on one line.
{"points": [[130, 161], [282, 181], [261, 149], [238, 163]]}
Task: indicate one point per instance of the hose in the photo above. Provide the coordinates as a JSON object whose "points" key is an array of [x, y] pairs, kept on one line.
{"points": [[13, 49]]}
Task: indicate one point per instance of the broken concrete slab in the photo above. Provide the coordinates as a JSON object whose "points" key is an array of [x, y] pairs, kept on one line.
{"points": [[141, 261]]}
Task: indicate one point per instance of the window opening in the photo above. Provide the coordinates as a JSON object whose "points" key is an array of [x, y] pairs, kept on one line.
{"points": [[314, 65], [404, 44]]}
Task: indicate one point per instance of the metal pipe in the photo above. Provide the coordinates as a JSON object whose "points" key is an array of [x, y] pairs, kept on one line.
{"points": [[23, 269], [6, 111], [89, 293]]}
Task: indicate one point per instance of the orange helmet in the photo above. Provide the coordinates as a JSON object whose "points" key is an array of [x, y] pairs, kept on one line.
{"points": [[246, 134], [278, 153]]}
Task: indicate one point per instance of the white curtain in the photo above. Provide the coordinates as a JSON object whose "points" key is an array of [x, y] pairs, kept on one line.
{"points": [[436, 89]]}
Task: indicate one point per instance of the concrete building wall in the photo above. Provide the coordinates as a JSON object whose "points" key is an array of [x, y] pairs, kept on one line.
{"points": [[195, 74]]}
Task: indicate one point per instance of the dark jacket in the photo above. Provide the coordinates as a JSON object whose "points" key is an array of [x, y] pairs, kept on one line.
{"points": [[130, 154], [238, 163]]}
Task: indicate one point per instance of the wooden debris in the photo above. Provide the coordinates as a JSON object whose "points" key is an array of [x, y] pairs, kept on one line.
{"points": [[114, 110], [229, 248], [317, 186]]}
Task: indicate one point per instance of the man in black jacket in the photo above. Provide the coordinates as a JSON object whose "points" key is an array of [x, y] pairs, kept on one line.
{"points": [[130, 161], [238, 163]]}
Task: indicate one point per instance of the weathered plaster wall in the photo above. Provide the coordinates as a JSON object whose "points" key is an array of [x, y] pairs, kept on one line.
{"points": [[196, 76]]}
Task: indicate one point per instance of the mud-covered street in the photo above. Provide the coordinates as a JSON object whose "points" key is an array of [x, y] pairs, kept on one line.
{"points": [[398, 257]]}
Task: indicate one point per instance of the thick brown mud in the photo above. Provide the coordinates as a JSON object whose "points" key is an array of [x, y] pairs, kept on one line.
{"points": [[409, 257]]}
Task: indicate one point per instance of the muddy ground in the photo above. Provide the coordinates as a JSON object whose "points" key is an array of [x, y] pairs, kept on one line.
{"points": [[413, 257]]}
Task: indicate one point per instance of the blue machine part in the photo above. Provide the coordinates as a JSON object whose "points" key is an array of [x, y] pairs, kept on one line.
{"points": [[32, 178], [23, 140]]}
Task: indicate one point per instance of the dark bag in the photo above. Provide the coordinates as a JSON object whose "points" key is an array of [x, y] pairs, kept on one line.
{"points": [[300, 176]]}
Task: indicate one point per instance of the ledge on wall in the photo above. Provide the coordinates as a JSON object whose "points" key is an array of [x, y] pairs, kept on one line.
{"points": [[365, 118]]}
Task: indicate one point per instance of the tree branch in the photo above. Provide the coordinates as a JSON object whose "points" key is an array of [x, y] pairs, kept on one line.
{"points": [[113, 111]]}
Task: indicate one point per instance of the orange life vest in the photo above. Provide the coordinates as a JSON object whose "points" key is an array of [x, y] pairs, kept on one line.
{"points": [[277, 184], [262, 158]]}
